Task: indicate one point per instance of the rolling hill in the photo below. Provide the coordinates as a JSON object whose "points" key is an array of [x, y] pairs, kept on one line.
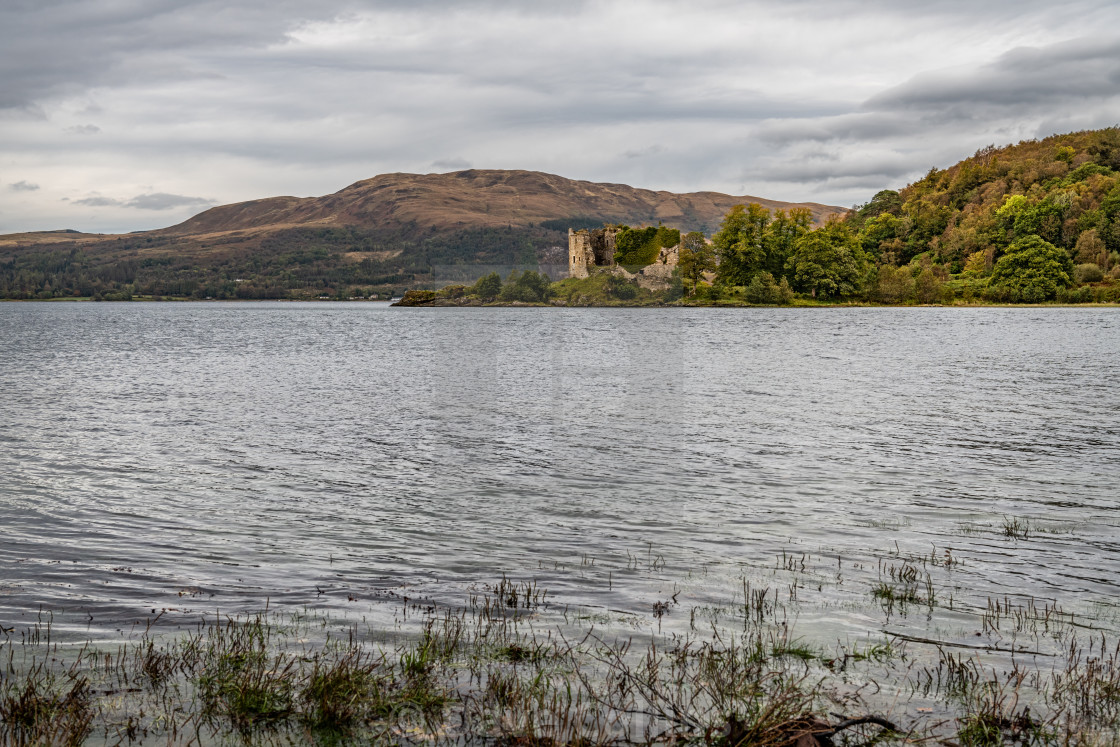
{"points": [[380, 233]]}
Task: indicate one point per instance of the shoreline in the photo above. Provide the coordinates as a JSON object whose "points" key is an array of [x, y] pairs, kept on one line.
{"points": [[508, 665], [444, 304]]}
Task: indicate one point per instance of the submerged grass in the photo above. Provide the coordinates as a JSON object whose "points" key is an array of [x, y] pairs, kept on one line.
{"points": [[492, 672]]}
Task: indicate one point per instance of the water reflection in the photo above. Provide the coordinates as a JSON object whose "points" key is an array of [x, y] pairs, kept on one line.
{"points": [[188, 456]]}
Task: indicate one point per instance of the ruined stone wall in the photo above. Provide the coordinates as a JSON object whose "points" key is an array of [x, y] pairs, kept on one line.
{"points": [[587, 249], [596, 248], [658, 275], [580, 256], [603, 245]]}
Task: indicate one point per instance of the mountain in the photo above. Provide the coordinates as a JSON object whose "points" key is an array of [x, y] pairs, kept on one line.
{"points": [[385, 233], [478, 198]]}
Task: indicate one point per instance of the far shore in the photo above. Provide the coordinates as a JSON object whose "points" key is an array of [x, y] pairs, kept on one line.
{"points": [[799, 304]]}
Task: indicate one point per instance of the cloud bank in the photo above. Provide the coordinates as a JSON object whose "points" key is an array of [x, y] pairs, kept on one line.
{"points": [[157, 201], [119, 111]]}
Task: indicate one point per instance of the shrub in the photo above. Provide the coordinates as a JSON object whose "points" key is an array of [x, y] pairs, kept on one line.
{"points": [[1075, 295], [526, 287], [1088, 273], [928, 287], [704, 292], [896, 284], [621, 288], [638, 247], [487, 287], [452, 291], [1106, 294], [763, 290], [417, 298]]}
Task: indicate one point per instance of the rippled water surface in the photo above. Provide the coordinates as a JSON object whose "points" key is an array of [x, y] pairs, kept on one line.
{"points": [[187, 457]]}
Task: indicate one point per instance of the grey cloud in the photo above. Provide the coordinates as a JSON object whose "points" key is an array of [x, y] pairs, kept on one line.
{"points": [[259, 97], [164, 201], [98, 202], [451, 164], [1024, 78], [652, 150], [153, 201], [849, 126], [885, 167], [66, 46], [939, 117], [86, 129], [23, 186], [63, 47]]}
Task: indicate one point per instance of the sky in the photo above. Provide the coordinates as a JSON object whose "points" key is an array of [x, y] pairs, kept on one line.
{"points": [[125, 115]]}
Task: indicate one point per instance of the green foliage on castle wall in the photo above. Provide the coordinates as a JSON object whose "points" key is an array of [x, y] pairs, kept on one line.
{"points": [[638, 247]]}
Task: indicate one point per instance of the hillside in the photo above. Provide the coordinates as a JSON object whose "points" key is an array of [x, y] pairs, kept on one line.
{"points": [[1034, 222], [1064, 189], [478, 198], [385, 233]]}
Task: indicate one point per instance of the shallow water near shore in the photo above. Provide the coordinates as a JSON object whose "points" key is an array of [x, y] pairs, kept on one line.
{"points": [[177, 459]]}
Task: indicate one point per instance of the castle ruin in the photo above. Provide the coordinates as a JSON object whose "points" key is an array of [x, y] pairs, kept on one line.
{"points": [[595, 248], [586, 249]]}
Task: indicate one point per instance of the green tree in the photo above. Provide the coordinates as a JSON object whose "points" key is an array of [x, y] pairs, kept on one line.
{"points": [[828, 262], [926, 220], [895, 284], [884, 201], [696, 257], [927, 286], [638, 247], [739, 244], [762, 289], [780, 236], [1090, 249], [878, 231], [785, 291], [1032, 270], [527, 287], [487, 287], [978, 264]]}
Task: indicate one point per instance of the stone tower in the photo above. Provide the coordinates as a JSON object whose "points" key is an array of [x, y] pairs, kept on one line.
{"points": [[587, 249]]}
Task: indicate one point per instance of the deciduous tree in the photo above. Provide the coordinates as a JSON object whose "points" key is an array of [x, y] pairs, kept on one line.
{"points": [[828, 262], [696, 257], [1033, 270]]}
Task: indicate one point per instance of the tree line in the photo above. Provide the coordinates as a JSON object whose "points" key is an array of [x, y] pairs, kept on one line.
{"points": [[1034, 222]]}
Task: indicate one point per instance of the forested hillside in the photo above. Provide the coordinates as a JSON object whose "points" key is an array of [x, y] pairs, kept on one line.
{"points": [[1033, 222], [1062, 192]]}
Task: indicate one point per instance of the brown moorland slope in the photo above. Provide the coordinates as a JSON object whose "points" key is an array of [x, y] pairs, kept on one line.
{"points": [[390, 231], [479, 198]]}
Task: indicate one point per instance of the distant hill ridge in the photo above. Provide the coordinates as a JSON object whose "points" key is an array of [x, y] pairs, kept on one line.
{"points": [[479, 198], [379, 235]]}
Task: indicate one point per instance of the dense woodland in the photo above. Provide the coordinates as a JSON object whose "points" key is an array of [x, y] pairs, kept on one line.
{"points": [[1028, 223]]}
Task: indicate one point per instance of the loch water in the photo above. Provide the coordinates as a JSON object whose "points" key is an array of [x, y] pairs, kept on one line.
{"points": [[180, 458]]}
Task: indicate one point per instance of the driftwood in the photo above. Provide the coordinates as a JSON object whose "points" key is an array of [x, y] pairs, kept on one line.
{"points": [[975, 647], [820, 733]]}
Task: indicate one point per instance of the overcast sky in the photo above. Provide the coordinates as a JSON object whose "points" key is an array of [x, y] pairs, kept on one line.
{"points": [[123, 115]]}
